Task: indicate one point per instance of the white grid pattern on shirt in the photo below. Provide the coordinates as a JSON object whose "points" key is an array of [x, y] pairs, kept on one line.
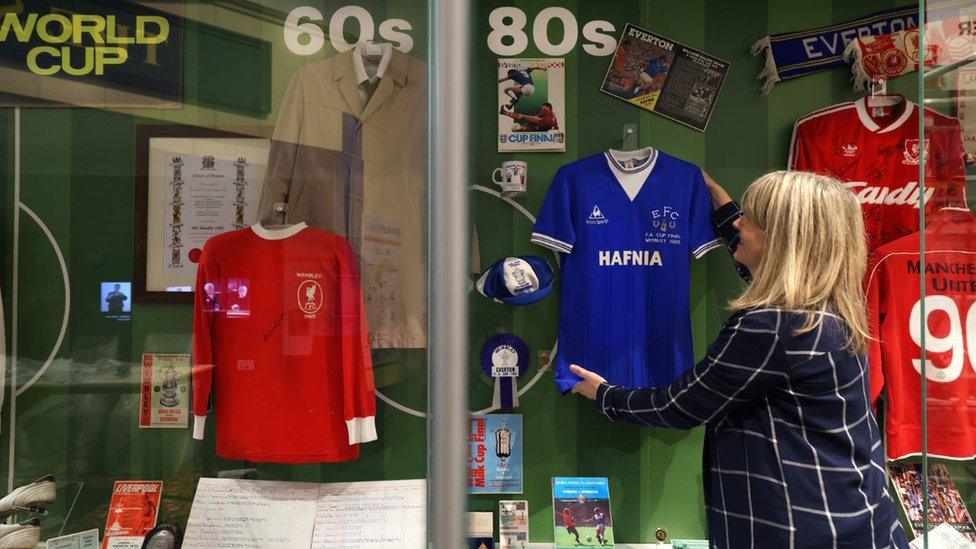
{"points": [[700, 397]]}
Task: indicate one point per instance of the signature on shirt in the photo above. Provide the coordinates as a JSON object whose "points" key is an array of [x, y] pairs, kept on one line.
{"points": [[268, 333]]}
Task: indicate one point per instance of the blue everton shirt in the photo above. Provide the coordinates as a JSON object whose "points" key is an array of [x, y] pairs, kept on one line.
{"points": [[629, 225]]}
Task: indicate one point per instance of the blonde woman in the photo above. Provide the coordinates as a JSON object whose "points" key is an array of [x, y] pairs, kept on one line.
{"points": [[793, 454]]}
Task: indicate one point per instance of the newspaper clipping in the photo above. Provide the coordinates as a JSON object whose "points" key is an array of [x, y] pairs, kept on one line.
{"points": [[665, 77]]}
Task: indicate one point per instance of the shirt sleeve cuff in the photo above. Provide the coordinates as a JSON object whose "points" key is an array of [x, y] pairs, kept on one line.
{"points": [[552, 243], [726, 213], [604, 400], [707, 247], [199, 424], [361, 429]]}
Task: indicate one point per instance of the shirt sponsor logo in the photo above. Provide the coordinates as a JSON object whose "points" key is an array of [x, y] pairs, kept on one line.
{"points": [[630, 258], [597, 217], [900, 196]]}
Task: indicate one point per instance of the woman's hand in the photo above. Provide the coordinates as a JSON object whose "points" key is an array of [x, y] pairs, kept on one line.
{"points": [[719, 196], [591, 382]]}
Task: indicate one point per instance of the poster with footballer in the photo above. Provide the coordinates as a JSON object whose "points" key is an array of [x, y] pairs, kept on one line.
{"points": [[531, 105], [665, 77], [581, 512]]}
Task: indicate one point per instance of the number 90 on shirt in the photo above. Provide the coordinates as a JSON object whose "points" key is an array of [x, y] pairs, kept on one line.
{"points": [[960, 340]]}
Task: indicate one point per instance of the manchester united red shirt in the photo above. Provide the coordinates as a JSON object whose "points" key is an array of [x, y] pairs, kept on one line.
{"points": [[895, 314], [280, 342]]}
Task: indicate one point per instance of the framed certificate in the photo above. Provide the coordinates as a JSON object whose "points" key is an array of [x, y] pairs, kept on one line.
{"points": [[191, 183]]}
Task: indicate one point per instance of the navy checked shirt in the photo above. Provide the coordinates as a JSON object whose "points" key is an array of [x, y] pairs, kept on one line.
{"points": [[722, 218], [792, 455]]}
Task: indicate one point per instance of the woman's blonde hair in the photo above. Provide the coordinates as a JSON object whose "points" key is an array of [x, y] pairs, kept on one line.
{"points": [[815, 253]]}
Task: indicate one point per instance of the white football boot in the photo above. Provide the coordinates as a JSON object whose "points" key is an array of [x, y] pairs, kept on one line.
{"points": [[24, 535], [32, 497]]}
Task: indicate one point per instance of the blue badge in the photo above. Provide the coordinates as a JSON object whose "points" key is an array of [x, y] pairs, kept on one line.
{"points": [[505, 357]]}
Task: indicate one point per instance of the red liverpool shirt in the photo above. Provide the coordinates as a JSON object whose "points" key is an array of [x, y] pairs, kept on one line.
{"points": [[876, 152], [280, 340], [895, 317]]}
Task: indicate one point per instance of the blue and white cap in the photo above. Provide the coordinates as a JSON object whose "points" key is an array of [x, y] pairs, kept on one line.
{"points": [[517, 280]]}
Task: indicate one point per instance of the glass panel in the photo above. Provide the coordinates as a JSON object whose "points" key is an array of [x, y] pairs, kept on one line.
{"points": [[943, 320], [609, 307], [132, 136]]}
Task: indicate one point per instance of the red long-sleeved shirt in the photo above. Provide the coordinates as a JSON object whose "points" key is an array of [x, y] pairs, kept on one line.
{"points": [[280, 340]]}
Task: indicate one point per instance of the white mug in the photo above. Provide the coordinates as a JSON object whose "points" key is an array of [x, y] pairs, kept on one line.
{"points": [[514, 176]]}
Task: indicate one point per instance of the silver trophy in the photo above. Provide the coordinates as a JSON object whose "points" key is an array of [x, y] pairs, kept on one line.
{"points": [[170, 395]]}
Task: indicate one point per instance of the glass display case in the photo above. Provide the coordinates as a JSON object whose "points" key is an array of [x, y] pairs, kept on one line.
{"points": [[142, 354], [326, 266]]}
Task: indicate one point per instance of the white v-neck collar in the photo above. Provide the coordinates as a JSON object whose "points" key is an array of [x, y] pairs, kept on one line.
{"points": [[648, 156], [631, 180], [277, 234], [870, 124]]}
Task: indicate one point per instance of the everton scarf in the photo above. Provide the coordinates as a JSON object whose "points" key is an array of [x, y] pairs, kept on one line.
{"points": [[794, 54]]}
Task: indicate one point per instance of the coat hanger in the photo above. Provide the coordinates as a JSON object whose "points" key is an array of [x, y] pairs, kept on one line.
{"points": [[628, 149], [280, 209], [629, 145], [628, 141], [878, 97], [376, 48]]}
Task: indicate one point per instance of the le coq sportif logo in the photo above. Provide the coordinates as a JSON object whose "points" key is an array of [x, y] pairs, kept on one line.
{"points": [[77, 44]]}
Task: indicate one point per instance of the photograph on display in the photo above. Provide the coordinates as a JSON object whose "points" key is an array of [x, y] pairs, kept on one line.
{"points": [[531, 105], [946, 504], [513, 524], [581, 512], [495, 454], [665, 77], [116, 300]]}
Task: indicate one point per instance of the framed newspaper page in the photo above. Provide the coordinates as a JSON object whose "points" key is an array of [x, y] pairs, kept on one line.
{"points": [[665, 77]]}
